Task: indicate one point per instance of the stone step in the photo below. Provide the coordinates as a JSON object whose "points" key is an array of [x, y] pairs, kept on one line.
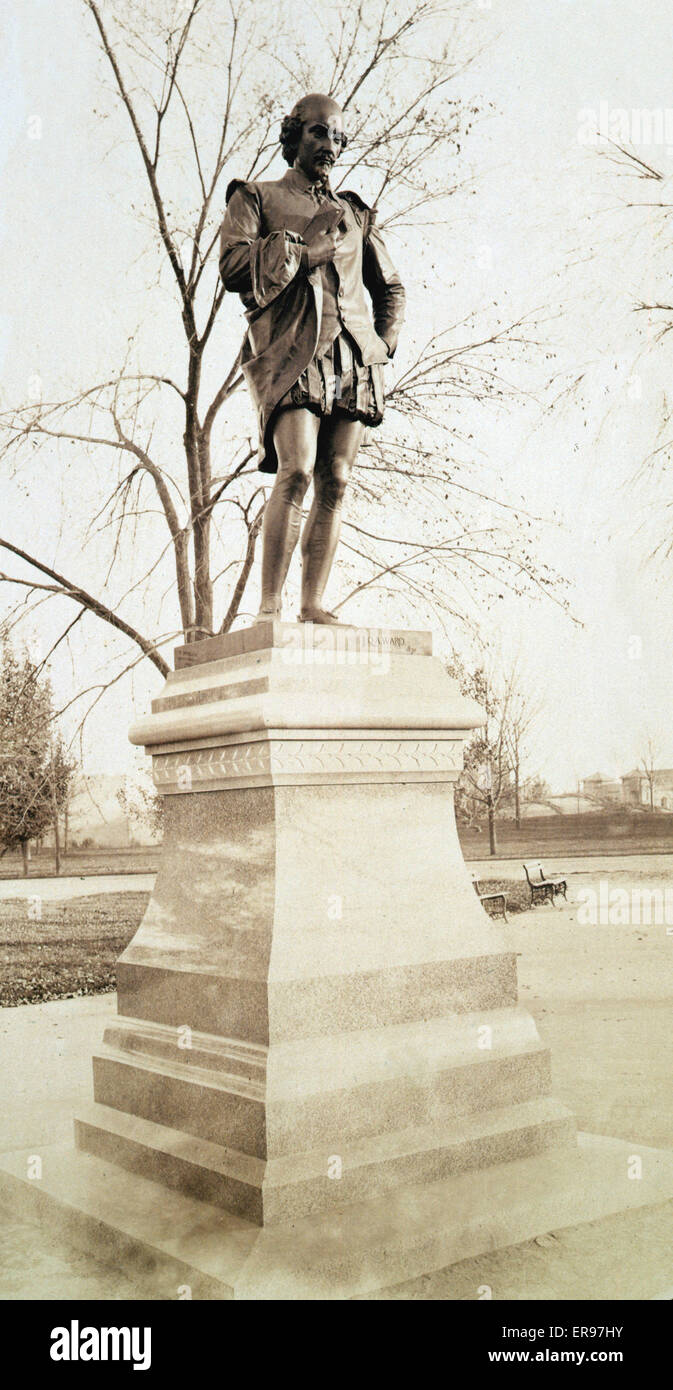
{"points": [[335, 1061], [201, 1050], [174, 1240], [415, 1088], [285, 1189], [195, 1167], [204, 1051], [192, 1100]]}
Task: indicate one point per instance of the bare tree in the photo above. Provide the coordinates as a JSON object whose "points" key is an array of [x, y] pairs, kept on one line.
{"points": [[61, 771], [522, 713], [648, 762], [182, 504], [644, 187], [487, 774]]}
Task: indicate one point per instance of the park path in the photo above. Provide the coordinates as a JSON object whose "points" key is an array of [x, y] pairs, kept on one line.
{"points": [[656, 866], [55, 889], [653, 865]]}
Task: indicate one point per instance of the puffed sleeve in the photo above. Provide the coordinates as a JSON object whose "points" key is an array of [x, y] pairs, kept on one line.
{"points": [[249, 262]]}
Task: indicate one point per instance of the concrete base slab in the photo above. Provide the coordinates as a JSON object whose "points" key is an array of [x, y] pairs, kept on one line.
{"points": [[367, 1247]]}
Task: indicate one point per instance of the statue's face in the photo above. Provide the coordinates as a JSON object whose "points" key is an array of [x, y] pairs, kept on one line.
{"points": [[321, 138]]}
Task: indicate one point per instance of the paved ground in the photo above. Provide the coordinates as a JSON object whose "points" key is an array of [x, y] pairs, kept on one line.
{"points": [[655, 866], [54, 889], [602, 999], [39, 1266], [599, 1260], [46, 1051], [601, 996], [581, 868]]}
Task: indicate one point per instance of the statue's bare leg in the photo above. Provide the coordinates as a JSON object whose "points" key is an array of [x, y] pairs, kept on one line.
{"points": [[338, 443], [295, 438]]}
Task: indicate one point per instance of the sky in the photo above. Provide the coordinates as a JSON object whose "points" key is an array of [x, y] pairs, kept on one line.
{"points": [[545, 229]]}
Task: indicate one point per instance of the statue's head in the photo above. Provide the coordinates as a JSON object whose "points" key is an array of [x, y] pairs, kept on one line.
{"points": [[312, 136]]}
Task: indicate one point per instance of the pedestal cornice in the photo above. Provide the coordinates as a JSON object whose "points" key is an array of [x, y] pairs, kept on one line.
{"points": [[286, 703]]}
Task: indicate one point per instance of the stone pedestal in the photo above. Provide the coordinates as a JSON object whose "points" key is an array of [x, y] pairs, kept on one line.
{"points": [[315, 1011]]}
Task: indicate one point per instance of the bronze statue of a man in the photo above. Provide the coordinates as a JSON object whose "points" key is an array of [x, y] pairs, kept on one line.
{"points": [[301, 257]]}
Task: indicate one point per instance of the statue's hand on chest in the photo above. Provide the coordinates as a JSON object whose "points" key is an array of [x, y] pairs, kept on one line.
{"points": [[329, 228], [330, 217], [303, 216]]}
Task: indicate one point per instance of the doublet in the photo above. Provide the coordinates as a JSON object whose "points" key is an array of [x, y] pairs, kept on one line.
{"points": [[293, 313]]}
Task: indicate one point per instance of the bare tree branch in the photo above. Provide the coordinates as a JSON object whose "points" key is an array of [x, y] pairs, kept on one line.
{"points": [[94, 605]]}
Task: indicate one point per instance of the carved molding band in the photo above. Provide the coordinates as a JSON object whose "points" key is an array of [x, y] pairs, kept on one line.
{"points": [[297, 760]]}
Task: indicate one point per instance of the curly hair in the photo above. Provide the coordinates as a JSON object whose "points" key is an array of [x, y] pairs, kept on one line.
{"points": [[290, 135]]}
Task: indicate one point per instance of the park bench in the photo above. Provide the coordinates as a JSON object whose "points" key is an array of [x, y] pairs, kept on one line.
{"points": [[491, 897], [543, 887]]}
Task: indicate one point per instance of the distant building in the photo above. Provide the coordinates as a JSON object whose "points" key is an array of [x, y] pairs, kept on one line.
{"points": [[636, 788], [600, 788], [559, 804], [599, 793]]}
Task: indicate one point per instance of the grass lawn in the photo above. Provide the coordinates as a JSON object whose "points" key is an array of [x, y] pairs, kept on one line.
{"points": [[621, 831], [518, 894], [618, 831], [70, 951], [142, 859]]}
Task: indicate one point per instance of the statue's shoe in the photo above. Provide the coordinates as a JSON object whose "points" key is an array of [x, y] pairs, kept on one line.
{"points": [[266, 616], [319, 615]]}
